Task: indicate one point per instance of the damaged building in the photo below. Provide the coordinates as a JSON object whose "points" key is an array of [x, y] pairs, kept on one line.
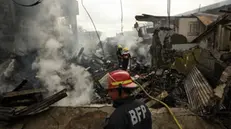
{"points": [[190, 83], [205, 66]]}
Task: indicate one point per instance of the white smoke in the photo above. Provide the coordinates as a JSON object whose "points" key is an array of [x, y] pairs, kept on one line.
{"points": [[9, 70], [52, 64], [136, 45], [128, 39]]}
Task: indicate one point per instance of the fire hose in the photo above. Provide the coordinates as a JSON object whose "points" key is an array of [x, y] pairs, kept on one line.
{"points": [[161, 102]]}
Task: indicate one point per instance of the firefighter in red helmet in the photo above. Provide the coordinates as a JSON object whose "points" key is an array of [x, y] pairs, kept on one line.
{"points": [[129, 113]]}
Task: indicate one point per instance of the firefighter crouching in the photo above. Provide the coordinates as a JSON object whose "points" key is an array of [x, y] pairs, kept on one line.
{"points": [[126, 58], [119, 55], [129, 113]]}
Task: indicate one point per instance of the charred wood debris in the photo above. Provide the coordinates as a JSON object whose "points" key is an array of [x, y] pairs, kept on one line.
{"points": [[21, 102], [162, 82], [198, 87], [20, 97], [203, 90]]}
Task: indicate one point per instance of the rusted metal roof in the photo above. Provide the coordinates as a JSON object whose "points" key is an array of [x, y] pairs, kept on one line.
{"points": [[211, 27], [206, 19]]}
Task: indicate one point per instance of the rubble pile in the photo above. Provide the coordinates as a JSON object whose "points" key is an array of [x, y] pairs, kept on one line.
{"points": [[20, 103], [163, 81], [159, 81], [181, 81]]}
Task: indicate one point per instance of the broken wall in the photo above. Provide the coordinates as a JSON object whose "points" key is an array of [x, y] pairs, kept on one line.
{"points": [[223, 38], [188, 61], [189, 27]]}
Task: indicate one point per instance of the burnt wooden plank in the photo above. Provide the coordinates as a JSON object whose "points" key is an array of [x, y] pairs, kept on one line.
{"points": [[24, 92], [35, 108], [20, 85], [6, 109], [161, 96], [137, 91]]}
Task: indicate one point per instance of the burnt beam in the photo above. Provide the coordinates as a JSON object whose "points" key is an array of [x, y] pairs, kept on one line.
{"points": [[161, 96], [225, 11], [44, 104], [20, 85], [24, 92]]}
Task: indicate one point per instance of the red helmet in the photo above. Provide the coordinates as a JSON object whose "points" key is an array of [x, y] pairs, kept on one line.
{"points": [[118, 77]]}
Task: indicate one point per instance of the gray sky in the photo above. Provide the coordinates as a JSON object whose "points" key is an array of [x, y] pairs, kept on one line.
{"points": [[106, 13]]}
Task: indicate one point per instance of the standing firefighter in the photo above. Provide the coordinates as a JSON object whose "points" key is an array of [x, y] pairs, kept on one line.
{"points": [[119, 54], [126, 58], [129, 113]]}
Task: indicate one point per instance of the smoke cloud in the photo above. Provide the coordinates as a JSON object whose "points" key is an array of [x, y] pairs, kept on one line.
{"points": [[133, 42], [55, 45]]}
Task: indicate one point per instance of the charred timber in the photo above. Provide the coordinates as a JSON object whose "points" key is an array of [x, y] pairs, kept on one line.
{"points": [[24, 92], [6, 109], [22, 98], [80, 52], [137, 91], [225, 11], [161, 96], [226, 57], [20, 85], [6, 114], [17, 103], [44, 104]]}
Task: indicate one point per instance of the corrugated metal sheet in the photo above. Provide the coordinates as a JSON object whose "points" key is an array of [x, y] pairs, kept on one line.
{"points": [[198, 91], [206, 19]]}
